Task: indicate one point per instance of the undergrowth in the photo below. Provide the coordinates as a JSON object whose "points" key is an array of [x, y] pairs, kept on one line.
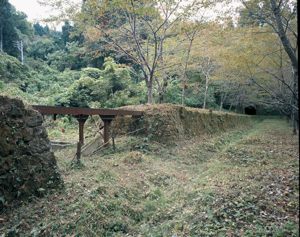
{"points": [[236, 183]]}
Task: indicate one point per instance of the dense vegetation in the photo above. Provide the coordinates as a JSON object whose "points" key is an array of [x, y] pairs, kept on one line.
{"points": [[242, 182], [188, 174], [113, 53]]}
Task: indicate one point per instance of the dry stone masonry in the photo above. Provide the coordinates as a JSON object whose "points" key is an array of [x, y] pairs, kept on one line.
{"points": [[166, 123], [27, 165]]}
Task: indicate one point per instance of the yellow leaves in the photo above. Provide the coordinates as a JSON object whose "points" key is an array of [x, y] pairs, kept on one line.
{"points": [[242, 49], [92, 34]]}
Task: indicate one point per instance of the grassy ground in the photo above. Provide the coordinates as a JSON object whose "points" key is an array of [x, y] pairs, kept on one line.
{"points": [[238, 183]]}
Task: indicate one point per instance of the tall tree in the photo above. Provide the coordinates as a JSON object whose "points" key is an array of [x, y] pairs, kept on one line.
{"points": [[207, 66], [13, 27], [66, 31], [140, 30], [8, 33], [281, 16], [40, 30], [190, 33]]}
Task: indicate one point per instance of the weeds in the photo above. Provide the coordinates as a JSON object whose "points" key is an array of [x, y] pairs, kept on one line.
{"points": [[238, 183]]}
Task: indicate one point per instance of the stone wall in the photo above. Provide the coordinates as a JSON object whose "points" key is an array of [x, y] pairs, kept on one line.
{"points": [[166, 122], [27, 165]]}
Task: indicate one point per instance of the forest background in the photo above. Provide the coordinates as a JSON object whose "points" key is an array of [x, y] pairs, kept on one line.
{"points": [[115, 53]]}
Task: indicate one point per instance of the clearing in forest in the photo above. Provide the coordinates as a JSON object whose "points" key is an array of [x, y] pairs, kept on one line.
{"points": [[237, 183]]}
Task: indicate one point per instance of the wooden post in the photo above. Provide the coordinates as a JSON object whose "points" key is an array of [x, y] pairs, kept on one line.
{"points": [[78, 153], [81, 120], [81, 132], [106, 132], [107, 121]]}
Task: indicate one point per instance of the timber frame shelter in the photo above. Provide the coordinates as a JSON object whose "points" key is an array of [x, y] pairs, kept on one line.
{"points": [[82, 114]]}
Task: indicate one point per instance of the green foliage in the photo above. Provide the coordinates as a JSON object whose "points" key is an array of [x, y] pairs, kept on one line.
{"points": [[12, 70], [79, 61], [92, 72], [13, 90], [110, 87], [40, 30], [173, 94], [85, 90], [72, 57], [194, 95], [41, 48], [13, 27], [186, 189]]}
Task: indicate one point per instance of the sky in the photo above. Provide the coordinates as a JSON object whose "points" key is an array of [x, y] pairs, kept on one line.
{"points": [[35, 12], [31, 8]]}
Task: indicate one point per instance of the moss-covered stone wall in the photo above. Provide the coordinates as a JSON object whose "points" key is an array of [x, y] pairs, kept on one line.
{"points": [[167, 122], [27, 164]]}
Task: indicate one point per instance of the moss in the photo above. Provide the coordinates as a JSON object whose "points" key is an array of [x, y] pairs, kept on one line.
{"points": [[27, 165], [166, 123]]}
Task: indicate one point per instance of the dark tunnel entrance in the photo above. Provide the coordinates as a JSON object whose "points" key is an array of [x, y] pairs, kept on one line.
{"points": [[250, 110]]}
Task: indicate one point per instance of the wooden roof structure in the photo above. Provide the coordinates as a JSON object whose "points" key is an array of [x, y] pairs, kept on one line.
{"points": [[50, 110], [81, 114]]}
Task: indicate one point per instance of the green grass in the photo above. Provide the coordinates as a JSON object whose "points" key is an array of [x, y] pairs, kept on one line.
{"points": [[236, 183]]}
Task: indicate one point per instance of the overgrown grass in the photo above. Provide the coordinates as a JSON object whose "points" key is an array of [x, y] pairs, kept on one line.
{"points": [[237, 183]]}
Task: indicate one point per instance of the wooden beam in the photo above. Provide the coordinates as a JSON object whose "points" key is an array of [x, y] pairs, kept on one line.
{"points": [[49, 110], [81, 114]]}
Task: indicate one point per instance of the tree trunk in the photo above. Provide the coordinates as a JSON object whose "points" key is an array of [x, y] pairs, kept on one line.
{"points": [[295, 104], [281, 32], [221, 105], [162, 90], [283, 36], [160, 97], [183, 93], [184, 81], [294, 124], [204, 102], [150, 92], [205, 93], [1, 39]]}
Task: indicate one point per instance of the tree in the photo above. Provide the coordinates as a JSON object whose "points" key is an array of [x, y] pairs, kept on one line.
{"points": [[72, 57], [13, 27], [207, 66], [7, 30], [40, 48], [40, 30], [281, 16], [110, 87], [139, 32], [190, 33], [66, 31]]}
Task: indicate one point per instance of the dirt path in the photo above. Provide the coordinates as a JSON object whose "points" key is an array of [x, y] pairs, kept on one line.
{"points": [[238, 183]]}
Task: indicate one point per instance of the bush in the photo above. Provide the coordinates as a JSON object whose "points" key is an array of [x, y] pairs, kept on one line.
{"points": [[92, 72], [11, 69]]}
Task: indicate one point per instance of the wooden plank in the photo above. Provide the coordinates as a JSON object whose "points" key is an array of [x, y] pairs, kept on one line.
{"points": [[49, 110]]}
